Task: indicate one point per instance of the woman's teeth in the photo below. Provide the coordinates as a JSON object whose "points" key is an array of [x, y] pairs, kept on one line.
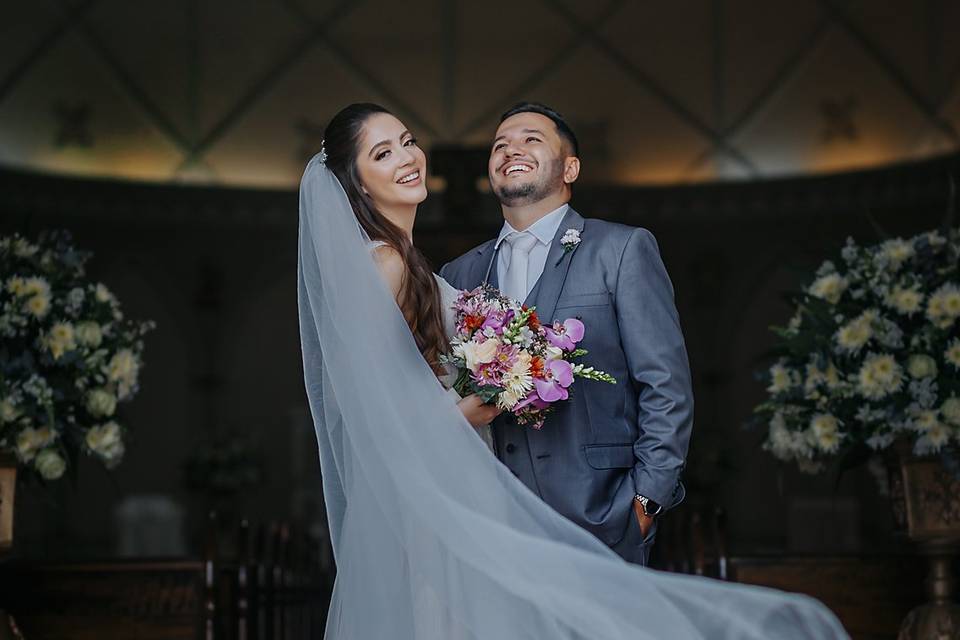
{"points": [[410, 178]]}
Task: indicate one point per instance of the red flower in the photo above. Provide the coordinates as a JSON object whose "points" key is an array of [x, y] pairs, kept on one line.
{"points": [[534, 321], [473, 323], [536, 367]]}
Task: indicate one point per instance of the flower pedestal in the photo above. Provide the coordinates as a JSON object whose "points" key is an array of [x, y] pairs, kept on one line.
{"points": [[926, 506]]}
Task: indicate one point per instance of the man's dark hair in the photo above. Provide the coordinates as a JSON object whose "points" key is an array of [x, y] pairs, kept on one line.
{"points": [[562, 127]]}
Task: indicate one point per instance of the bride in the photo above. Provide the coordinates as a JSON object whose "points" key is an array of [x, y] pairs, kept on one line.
{"points": [[433, 537]]}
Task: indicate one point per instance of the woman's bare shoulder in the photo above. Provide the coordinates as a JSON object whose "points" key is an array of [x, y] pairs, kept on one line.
{"points": [[390, 264]]}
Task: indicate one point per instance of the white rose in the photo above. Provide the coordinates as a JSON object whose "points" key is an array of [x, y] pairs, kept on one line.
{"points": [[50, 464], [89, 334], [31, 440], [105, 440], [100, 402], [477, 353], [922, 366]]}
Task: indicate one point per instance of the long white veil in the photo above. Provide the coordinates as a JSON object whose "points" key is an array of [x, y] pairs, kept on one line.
{"points": [[433, 537]]}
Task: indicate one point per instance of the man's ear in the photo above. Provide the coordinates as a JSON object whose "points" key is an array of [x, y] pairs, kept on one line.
{"points": [[571, 169]]}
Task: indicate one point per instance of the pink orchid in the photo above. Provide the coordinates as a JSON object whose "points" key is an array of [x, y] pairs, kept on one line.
{"points": [[565, 336], [558, 375]]}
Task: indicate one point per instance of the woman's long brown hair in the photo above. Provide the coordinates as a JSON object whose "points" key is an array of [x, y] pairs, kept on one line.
{"points": [[419, 297]]}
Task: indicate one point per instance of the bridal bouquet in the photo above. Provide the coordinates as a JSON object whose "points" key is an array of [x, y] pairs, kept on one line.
{"points": [[503, 354], [871, 356], [67, 357]]}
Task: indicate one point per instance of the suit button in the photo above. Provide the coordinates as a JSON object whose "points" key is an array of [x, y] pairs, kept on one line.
{"points": [[511, 447]]}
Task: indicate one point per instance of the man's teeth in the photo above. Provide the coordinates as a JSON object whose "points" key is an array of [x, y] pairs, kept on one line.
{"points": [[517, 167], [410, 178]]}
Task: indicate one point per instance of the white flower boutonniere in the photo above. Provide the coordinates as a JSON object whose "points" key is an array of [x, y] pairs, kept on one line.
{"points": [[570, 239]]}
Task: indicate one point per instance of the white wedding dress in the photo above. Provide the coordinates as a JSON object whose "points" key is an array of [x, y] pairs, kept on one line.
{"points": [[448, 296], [434, 538]]}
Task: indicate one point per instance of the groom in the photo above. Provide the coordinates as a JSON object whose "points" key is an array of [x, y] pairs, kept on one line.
{"points": [[609, 459]]}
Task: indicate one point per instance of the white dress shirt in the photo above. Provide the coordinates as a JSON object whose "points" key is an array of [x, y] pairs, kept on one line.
{"points": [[544, 231]]}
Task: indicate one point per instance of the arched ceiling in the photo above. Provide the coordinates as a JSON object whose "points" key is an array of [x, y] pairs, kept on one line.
{"points": [[237, 92]]}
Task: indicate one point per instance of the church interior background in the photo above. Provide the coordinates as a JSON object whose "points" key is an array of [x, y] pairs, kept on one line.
{"points": [[751, 137]]}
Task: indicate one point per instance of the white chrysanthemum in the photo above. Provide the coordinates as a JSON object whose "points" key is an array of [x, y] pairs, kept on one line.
{"points": [[879, 375], [31, 440], [922, 366], [38, 306], [952, 354], [101, 403], [897, 251], [89, 334], [855, 334], [932, 440], [50, 464], [814, 377], [781, 378], [36, 286], [832, 376], [8, 411], [517, 382], [106, 441], [780, 440], [17, 286], [951, 410], [829, 287], [905, 301], [825, 432], [102, 294], [943, 307], [60, 339], [23, 248], [924, 420]]}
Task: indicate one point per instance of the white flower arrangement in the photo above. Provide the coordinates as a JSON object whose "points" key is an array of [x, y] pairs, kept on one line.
{"points": [[870, 356], [570, 239], [67, 358]]}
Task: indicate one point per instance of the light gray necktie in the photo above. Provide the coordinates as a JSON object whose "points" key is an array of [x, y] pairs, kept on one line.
{"points": [[518, 244]]}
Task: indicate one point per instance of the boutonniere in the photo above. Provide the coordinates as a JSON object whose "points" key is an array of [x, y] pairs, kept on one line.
{"points": [[570, 239]]}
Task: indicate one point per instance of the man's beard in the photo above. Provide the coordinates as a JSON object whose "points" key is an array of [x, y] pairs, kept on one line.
{"points": [[516, 195]]}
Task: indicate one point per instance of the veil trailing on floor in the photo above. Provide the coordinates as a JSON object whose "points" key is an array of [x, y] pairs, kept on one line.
{"points": [[434, 539]]}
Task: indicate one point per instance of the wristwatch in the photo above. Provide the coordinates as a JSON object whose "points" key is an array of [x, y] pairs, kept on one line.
{"points": [[650, 508]]}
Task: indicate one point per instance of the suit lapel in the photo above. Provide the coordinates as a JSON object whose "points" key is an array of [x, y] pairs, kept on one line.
{"points": [[480, 269], [548, 287]]}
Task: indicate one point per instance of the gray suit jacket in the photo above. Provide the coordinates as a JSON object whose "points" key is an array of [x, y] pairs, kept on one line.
{"points": [[609, 442]]}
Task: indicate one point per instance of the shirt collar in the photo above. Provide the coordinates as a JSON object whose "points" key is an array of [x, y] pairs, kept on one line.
{"points": [[544, 229]]}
